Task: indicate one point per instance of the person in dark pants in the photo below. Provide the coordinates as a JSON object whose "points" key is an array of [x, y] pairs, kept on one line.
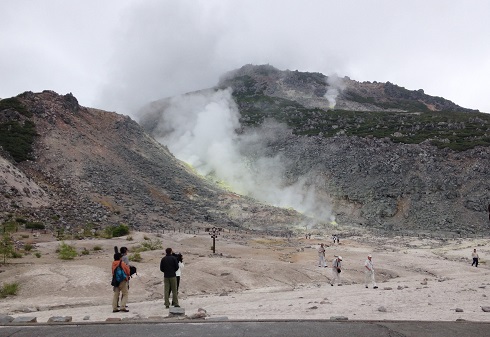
{"points": [[178, 273], [169, 265], [475, 257]]}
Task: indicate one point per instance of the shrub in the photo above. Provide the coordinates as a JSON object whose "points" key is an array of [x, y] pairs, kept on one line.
{"points": [[117, 231], [152, 244], [28, 247], [9, 289], [35, 225], [96, 248], [136, 257], [16, 255], [6, 246], [66, 252], [85, 251], [146, 238], [129, 238], [37, 254], [17, 139]]}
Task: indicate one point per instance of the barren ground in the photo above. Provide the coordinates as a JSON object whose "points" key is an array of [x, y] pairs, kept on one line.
{"points": [[253, 277]]}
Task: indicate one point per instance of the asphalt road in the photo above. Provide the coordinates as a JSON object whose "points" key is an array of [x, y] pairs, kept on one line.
{"points": [[251, 329]]}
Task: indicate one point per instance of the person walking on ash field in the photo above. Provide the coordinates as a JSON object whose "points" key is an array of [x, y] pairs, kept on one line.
{"points": [[122, 288], [169, 265], [475, 257], [336, 269], [321, 256], [370, 272]]}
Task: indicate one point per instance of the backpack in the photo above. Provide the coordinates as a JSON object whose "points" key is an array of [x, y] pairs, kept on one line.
{"points": [[119, 276]]}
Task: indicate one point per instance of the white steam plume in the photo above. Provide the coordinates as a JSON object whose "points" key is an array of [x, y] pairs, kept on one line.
{"points": [[335, 86], [200, 129]]}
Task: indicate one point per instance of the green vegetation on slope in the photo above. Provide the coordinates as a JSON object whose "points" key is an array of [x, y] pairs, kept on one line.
{"points": [[16, 136], [455, 130]]}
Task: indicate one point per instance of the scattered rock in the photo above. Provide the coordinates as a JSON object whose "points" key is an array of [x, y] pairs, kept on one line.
{"points": [[486, 309], [113, 319], [86, 318], [338, 318], [382, 309], [387, 288], [223, 294], [25, 320], [177, 311], [5, 319], [400, 288], [313, 307], [459, 310], [58, 319]]}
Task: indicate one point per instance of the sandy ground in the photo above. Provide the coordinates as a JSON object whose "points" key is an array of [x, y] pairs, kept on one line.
{"points": [[253, 277]]}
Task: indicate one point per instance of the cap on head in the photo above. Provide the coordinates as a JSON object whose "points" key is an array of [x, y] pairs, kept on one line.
{"points": [[339, 257], [370, 255]]}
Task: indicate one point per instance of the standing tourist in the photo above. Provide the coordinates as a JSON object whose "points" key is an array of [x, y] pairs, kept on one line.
{"points": [[169, 265], [321, 256], [122, 288], [475, 257], [336, 269], [369, 272]]}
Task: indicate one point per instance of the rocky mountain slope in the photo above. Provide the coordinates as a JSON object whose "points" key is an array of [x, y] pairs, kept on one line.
{"points": [[68, 166], [384, 156]]}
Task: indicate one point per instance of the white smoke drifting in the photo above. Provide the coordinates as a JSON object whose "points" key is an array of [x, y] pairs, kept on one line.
{"points": [[200, 129], [335, 86]]}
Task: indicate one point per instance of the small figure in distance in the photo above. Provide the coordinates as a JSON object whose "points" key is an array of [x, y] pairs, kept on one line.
{"points": [[369, 272], [475, 257], [336, 269], [321, 256]]}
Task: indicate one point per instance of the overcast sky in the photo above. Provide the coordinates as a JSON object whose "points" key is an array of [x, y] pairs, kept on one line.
{"points": [[120, 54]]}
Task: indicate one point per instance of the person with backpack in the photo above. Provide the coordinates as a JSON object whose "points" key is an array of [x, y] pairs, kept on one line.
{"points": [[178, 273], [124, 257], [169, 265], [120, 276]]}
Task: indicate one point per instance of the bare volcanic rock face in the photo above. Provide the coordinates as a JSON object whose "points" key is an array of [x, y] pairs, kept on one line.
{"points": [[88, 166], [377, 154]]}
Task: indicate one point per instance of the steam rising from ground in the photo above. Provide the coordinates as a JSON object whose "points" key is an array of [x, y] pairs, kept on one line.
{"points": [[335, 86], [200, 129]]}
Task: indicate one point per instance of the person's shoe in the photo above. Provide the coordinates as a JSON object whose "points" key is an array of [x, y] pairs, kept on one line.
{"points": [[117, 310], [177, 306], [124, 310], [375, 287], [167, 306]]}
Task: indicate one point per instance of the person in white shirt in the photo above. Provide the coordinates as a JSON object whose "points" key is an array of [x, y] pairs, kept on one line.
{"points": [[475, 257], [321, 256], [336, 269], [369, 272]]}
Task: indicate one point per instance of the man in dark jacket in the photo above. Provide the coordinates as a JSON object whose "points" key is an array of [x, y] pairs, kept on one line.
{"points": [[169, 265]]}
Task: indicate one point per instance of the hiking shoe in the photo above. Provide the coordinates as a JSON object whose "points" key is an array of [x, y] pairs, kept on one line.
{"points": [[117, 310], [177, 306], [167, 306], [124, 310]]}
